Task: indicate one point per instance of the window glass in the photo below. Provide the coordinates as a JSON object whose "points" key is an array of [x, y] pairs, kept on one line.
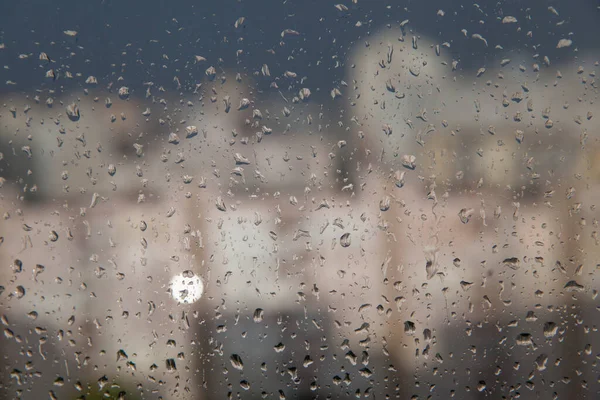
{"points": [[299, 199]]}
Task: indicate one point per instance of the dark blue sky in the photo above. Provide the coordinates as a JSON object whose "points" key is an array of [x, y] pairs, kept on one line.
{"points": [[186, 28]]}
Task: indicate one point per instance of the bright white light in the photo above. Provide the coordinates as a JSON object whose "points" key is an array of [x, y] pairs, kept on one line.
{"points": [[186, 287]]}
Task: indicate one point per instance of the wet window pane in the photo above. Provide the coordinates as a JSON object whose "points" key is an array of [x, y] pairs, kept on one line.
{"points": [[299, 200]]}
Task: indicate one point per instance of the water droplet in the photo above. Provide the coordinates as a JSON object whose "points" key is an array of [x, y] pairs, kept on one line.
{"points": [[186, 287], [524, 339], [121, 355], [509, 20], [236, 362], [220, 204], [123, 92], [409, 161], [465, 215], [409, 327], [564, 43], [20, 292], [573, 286], [345, 240], [53, 236], [73, 112], [171, 365], [258, 315]]}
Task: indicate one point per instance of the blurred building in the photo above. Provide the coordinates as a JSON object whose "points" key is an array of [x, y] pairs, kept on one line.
{"points": [[486, 168]]}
